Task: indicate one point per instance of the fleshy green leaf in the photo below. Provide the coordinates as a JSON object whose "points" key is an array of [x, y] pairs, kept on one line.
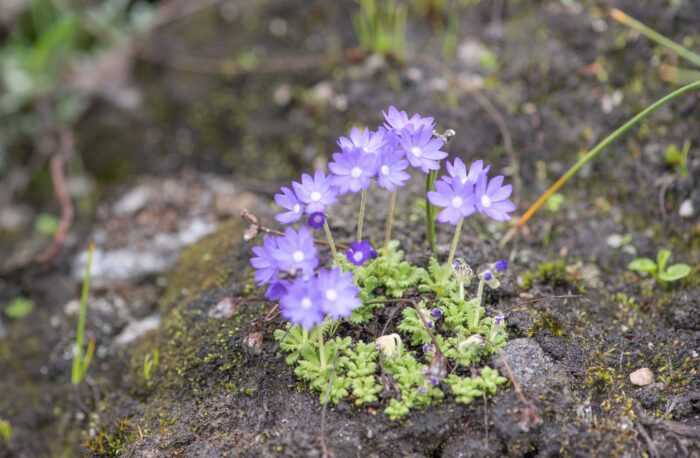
{"points": [[662, 259], [675, 272], [643, 265]]}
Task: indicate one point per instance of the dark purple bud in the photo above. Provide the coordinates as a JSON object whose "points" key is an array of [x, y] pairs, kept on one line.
{"points": [[434, 380], [501, 265], [425, 371], [421, 390], [427, 347], [488, 276], [430, 324], [498, 320], [436, 313], [373, 254], [316, 220]]}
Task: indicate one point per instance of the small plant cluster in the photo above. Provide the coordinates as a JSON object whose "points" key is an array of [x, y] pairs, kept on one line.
{"points": [[659, 269], [440, 329]]}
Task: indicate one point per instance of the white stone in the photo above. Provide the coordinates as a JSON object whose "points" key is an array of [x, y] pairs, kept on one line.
{"points": [[642, 377], [686, 209]]}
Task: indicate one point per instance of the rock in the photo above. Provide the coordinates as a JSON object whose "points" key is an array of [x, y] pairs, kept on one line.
{"points": [[136, 329], [525, 358], [686, 209], [132, 201], [642, 377]]}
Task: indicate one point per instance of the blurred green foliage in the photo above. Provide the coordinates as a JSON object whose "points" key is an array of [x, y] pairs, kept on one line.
{"points": [[42, 48]]}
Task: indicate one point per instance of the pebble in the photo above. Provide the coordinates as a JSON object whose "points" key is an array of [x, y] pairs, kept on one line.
{"points": [[642, 377], [686, 209]]}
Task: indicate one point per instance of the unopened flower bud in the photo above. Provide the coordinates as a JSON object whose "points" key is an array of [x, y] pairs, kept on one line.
{"points": [[462, 272]]}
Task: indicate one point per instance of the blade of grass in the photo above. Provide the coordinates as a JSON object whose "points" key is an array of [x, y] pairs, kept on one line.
{"points": [[653, 35], [79, 367], [593, 153]]}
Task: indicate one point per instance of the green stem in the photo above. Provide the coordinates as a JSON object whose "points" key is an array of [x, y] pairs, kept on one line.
{"points": [[655, 36], [329, 237], [461, 290], [321, 349], [594, 152], [479, 294], [78, 367], [455, 239], [360, 220], [390, 220], [430, 212]]}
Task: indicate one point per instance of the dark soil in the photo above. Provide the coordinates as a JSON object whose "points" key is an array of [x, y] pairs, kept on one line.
{"points": [[206, 145]]}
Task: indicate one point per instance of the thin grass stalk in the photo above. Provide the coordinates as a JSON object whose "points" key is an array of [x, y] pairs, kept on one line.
{"points": [[593, 153]]}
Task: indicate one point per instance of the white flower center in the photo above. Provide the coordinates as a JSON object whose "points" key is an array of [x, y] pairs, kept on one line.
{"points": [[457, 202], [331, 295], [297, 208], [305, 303], [298, 256], [416, 151], [356, 172], [463, 180], [315, 196], [357, 256], [486, 201], [385, 170]]}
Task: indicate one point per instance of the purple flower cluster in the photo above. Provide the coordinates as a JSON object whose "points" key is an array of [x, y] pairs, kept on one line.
{"points": [[287, 264], [384, 155], [464, 193]]}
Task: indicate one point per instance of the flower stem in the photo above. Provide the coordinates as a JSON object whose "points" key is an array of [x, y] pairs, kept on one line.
{"points": [[430, 212], [390, 220], [455, 239], [330, 242], [321, 350], [479, 294], [360, 220]]}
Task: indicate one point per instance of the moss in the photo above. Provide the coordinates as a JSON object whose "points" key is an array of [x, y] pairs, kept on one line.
{"points": [[555, 273]]}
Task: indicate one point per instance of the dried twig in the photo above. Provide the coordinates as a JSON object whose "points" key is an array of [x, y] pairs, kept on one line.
{"points": [[565, 296], [255, 228], [61, 190]]}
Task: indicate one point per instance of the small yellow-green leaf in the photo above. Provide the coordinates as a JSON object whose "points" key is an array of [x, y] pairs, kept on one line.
{"points": [[19, 308], [662, 259], [643, 265], [675, 272]]}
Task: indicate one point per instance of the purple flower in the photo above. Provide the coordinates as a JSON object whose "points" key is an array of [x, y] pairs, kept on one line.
{"points": [[391, 168], [436, 313], [422, 150], [266, 261], [488, 276], [492, 199], [302, 303], [421, 390], [289, 201], [498, 321], [430, 324], [434, 380], [317, 192], [457, 198], [296, 251], [316, 220], [427, 348], [277, 289], [369, 142], [359, 252], [398, 120], [339, 295], [459, 171], [501, 265], [352, 169]]}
